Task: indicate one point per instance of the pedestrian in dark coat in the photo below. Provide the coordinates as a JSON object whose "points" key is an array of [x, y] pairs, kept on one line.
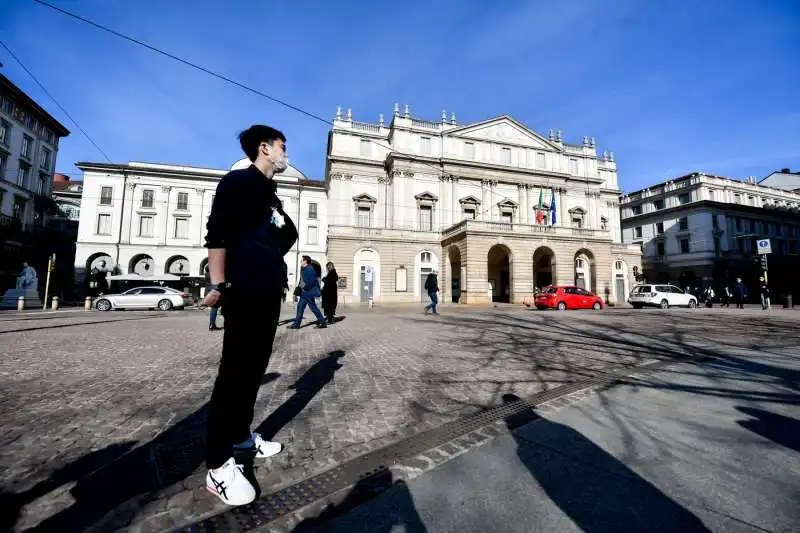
{"points": [[330, 293]]}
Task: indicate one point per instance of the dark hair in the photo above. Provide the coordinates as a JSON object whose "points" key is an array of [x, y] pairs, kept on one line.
{"points": [[251, 138], [307, 259]]}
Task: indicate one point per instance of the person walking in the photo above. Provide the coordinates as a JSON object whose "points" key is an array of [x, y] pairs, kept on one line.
{"points": [[432, 288], [212, 318], [763, 288], [309, 291], [739, 293], [726, 296], [248, 234], [708, 296], [330, 293]]}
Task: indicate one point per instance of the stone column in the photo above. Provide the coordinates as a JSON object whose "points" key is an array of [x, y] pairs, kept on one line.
{"points": [[443, 205], [455, 207], [563, 215], [126, 215], [380, 218], [165, 210], [486, 208], [521, 194], [200, 238], [475, 272]]}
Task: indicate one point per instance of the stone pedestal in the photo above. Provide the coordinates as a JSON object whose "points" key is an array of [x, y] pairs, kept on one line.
{"points": [[11, 296]]}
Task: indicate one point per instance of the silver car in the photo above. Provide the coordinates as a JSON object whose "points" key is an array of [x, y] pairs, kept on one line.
{"points": [[163, 298]]}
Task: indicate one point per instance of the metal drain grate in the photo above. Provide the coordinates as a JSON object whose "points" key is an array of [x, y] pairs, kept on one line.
{"points": [[280, 503]]}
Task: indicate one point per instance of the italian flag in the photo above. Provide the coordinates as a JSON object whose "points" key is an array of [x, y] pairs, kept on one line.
{"points": [[539, 212]]}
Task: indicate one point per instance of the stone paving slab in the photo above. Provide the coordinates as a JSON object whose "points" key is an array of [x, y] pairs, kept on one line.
{"points": [[103, 422]]}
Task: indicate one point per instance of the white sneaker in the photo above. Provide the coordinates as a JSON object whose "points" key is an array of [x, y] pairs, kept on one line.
{"points": [[265, 448], [229, 484]]}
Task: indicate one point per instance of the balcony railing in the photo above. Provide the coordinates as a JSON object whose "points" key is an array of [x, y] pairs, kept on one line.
{"points": [[484, 226], [366, 233]]}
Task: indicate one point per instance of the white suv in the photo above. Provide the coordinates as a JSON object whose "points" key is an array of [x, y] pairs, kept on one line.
{"points": [[662, 296]]}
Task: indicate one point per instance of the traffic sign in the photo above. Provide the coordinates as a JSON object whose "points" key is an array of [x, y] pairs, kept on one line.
{"points": [[764, 247]]}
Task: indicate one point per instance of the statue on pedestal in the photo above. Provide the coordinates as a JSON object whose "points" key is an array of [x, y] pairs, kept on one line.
{"points": [[27, 288], [28, 280]]}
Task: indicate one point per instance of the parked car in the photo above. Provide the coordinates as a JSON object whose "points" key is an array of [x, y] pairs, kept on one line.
{"points": [[660, 295], [568, 297], [163, 298]]}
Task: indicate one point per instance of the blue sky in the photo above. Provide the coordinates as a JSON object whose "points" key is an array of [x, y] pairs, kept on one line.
{"points": [[670, 87]]}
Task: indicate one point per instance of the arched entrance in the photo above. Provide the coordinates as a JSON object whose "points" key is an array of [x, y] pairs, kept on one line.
{"points": [[101, 262], [585, 271], [425, 263], [620, 281], [98, 267], [454, 256], [141, 264], [177, 265], [366, 274], [204, 267], [499, 273], [544, 267]]}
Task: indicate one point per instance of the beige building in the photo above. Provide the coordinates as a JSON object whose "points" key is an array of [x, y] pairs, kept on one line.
{"points": [[414, 195]]}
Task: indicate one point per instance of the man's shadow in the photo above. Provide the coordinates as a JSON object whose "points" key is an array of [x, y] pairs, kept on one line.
{"points": [[599, 493], [305, 388], [394, 507], [11, 504], [780, 429], [170, 457]]}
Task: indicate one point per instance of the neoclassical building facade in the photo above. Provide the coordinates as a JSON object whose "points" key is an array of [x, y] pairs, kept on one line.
{"points": [[150, 219], [495, 207]]}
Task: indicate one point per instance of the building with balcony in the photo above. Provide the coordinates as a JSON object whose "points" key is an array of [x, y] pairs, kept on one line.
{"points": [[150, 219], [67, 197], [29, 139], [409, 196], [701, 229]]}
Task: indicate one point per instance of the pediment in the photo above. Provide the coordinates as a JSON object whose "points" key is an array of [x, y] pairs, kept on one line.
{"points": [[470, 200], [505, 129], [426, 196], [507, 203], [577, 211], [364, 198]]}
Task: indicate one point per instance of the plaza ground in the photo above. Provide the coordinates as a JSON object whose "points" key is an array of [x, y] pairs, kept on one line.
{"points": [[103, 413]]}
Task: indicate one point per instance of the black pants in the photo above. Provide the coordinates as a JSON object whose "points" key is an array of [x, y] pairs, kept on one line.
{"points": [[250, 324]]}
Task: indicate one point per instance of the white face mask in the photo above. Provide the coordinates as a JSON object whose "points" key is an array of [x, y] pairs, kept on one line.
{"points": [[281, 164]]}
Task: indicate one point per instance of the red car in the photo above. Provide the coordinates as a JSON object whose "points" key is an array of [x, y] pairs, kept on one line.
{"points": [[568, 297]]}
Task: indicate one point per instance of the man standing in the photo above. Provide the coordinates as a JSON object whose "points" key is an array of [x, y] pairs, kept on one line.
{"points": [[248, 235], [432, 287], [309, 287], [763, 288], [739, 293]]}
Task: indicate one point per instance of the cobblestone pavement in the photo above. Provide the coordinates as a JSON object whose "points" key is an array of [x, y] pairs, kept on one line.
{"points": [[103, 413]]}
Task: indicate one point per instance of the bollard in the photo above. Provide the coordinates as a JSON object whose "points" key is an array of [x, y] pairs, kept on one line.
{"points": [[370, 303], [21, 303], [55, 303], [787, 302], [87, 305]]}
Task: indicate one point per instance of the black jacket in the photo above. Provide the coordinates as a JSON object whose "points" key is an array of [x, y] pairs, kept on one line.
{"points": [[245, 221], [432, 283], [329, 284]]}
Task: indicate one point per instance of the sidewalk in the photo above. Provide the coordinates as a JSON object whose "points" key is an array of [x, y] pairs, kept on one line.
{"points": [[696, 448]]}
